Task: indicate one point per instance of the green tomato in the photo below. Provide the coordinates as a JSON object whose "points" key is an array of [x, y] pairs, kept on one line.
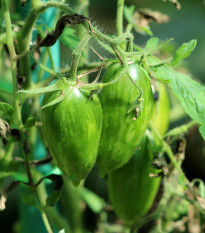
{"points": [[125, 115], [72, 130], [160, 114], [131, 190]]}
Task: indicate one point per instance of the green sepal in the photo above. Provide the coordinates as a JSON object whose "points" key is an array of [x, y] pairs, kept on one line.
{"points": [[58, 99], [60, 84], [42, 90]]}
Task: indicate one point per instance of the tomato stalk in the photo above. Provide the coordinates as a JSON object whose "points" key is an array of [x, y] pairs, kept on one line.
{"points": [[119, 21], [166, 148], [119, 18], [25, 34], [112, 42], [82, 6], [76, 54]]}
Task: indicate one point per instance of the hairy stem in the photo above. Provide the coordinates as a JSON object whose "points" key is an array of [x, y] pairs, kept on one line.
{"points": [[16, 118], [76, 56], [166, 148], [119, 18]]}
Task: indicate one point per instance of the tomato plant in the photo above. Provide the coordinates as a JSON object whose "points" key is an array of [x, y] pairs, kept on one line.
{"points": [[99, 124]]}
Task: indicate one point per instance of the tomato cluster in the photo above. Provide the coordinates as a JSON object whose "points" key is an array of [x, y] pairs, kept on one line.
{"points": [[107, 127]]}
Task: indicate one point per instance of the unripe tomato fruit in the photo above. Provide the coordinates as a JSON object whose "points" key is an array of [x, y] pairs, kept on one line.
{"points": [[160, 113], [123, 128], [72, 130], [131, 190]]}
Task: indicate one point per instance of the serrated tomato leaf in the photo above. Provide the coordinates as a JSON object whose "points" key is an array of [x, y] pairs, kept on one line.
{"points": [[6, 111], [135, 21], [190, 93], [152, 43], [183, 52]]}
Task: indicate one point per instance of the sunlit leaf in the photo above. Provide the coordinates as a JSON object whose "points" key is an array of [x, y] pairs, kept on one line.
{"points": [[183, 52], [152, 43], [190, 93]]}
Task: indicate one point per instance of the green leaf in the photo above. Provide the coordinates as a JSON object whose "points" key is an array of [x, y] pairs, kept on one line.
{"points": [[6, 111], [29, 122], [8, 168], [69, 38], [152, 43], [53, 198], [189, 92], [5, 86], [183, 52], [95, 203], [128, 13], [47, 69], [28, 199]]}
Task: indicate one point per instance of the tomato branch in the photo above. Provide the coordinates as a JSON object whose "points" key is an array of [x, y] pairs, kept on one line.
{"points": [[76, 57], [166, 148]]}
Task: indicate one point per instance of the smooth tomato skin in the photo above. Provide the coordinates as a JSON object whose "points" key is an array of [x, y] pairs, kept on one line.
{"points": [[120, 133], [161, 111], [72, 130], [131, 190]]}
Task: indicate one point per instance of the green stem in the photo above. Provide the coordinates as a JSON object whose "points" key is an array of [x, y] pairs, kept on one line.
{"points": [[82, 6], [119, 22], [96, 86], [41, 8], [44, 6], [72, 200], [44, 60], [76, 56], [9, 34], [119, 18], [9, 151], [43, 214], [16, 118], [166, 148], [51, 213], [129, 27]]}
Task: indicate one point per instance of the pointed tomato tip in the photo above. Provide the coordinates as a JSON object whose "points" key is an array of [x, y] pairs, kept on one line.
{"points": [[76, 182]]}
